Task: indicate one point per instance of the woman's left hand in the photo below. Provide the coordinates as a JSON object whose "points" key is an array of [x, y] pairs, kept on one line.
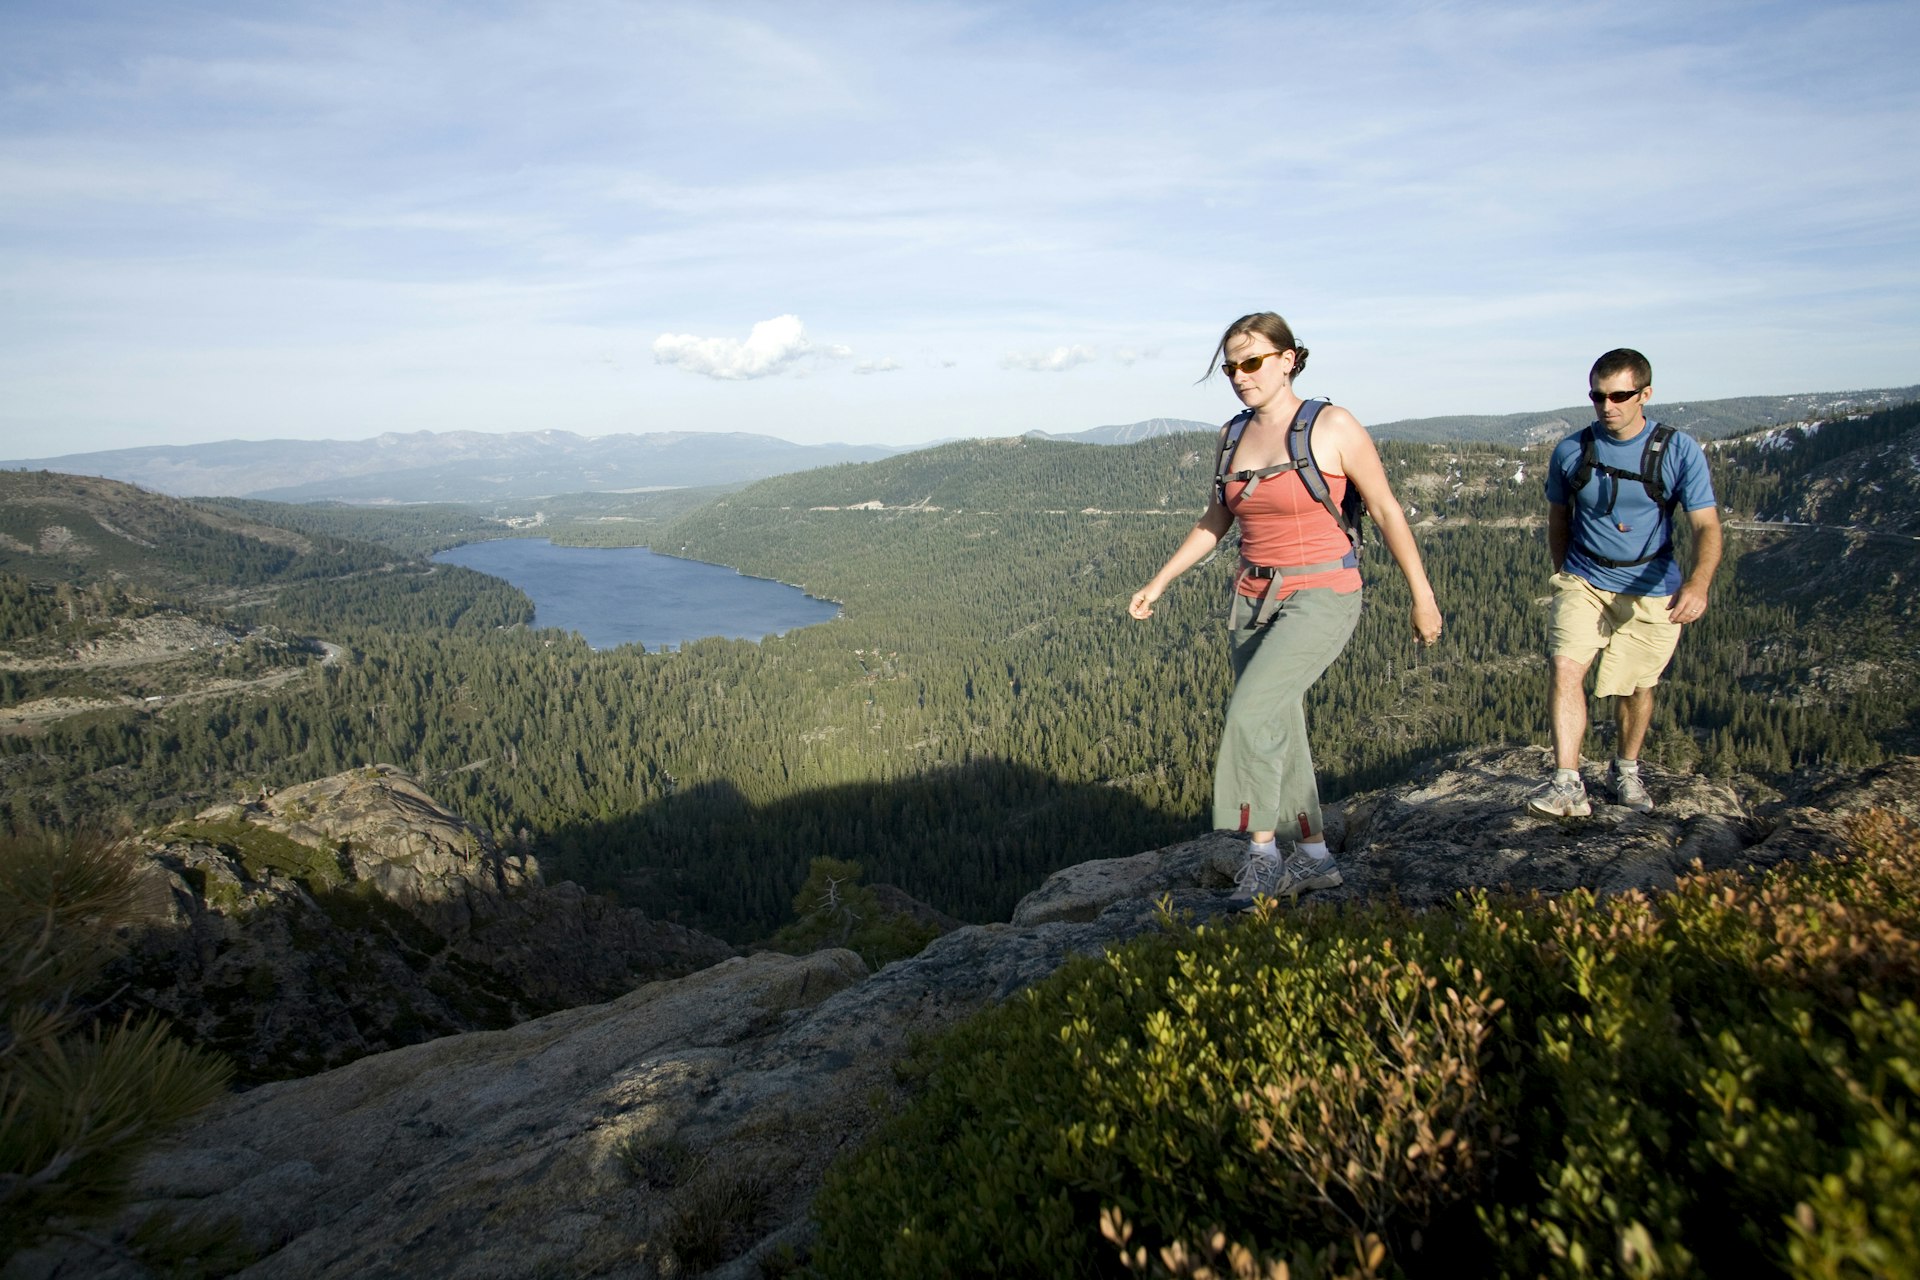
{"points": [[1426, 621]]}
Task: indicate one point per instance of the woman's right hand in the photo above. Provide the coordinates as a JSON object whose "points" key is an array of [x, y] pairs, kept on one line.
{"points": [[1195, 547], [1426, 621]]}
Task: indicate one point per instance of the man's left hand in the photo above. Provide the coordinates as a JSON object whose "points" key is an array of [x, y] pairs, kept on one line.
{"points": [[1688, 603]]}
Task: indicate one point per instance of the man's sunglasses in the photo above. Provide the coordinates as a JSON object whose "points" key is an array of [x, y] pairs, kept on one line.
{"points": [[1617, 397], [1250, 365]]}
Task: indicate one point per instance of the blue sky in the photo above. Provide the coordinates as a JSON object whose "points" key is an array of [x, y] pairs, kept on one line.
{"points": [[896, 222]]}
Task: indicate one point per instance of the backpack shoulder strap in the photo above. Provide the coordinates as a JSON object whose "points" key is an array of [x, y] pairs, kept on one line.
{"points": [[1589, 454], [1348, 512], [1300, 449], [1652, 467], [1229, 445]]}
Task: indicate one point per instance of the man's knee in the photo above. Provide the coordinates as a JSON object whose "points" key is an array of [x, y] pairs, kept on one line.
{"points": [[1568, 673], [1637, 700]]}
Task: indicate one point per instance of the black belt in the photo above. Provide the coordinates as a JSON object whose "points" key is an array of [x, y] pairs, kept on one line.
{"points": [[1665, 550]]}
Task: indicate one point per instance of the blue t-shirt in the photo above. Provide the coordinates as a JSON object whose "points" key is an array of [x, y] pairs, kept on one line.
{"points": [[1636, 526]]}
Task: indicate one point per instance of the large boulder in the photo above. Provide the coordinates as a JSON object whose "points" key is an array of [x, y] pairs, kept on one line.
{"points": [[395, 838], [354, 914]]}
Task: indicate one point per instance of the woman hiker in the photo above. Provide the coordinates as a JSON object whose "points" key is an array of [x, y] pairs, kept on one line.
{"points": [[1297, 596]]}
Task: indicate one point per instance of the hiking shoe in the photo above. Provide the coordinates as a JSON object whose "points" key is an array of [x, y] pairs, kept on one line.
{"points": [[1262, 875], [1560, 800], [1629, 790], [1304, 872]]}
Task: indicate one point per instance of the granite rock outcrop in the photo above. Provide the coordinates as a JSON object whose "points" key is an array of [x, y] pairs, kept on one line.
{"points": [[351, 915], [684, 1127]]}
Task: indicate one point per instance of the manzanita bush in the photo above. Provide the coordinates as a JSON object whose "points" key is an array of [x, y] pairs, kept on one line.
{"points": [[1722, 1080]]}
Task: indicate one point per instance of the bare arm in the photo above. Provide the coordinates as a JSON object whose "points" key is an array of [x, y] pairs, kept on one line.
{"points": [[1195, 547], [1361, 463], [1559, 533], [1690, 601]]}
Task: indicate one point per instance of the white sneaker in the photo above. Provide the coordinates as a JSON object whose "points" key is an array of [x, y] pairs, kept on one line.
{"points": [[1304, 872], [1560, 799], [1262, 875], [1628, 790]]}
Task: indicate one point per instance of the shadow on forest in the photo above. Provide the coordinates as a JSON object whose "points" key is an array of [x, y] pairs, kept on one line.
{"points": [[1829, 570], [971, 840]]}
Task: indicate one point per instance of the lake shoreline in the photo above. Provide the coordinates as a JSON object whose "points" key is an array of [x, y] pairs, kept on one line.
{"points": [[615, 597]]}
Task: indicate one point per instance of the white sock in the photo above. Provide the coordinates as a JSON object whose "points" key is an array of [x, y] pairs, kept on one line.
{"points": [[1317, 850], [1625, 766], [1566, 775], [1263, 849]]}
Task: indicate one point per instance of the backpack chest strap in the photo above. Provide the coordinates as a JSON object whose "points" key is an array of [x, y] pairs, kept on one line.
{"points": [[1252, 479], [1650, 475]]}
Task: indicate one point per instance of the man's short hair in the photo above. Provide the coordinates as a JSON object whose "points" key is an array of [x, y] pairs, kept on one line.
{"points": [[1623, 360]]}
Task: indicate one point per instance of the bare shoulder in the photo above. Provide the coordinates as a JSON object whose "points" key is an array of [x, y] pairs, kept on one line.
{"points": [[1337, 419], [1339, 439]]}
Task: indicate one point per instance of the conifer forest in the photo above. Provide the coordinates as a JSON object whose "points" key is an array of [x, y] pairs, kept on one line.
{"points": [[982, 712]]}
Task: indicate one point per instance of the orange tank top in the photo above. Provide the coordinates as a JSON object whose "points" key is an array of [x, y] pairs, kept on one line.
{"points": [[1282, 524]]}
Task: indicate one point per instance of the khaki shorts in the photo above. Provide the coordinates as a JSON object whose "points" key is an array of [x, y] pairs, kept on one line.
{"points": [[1632, 634]]}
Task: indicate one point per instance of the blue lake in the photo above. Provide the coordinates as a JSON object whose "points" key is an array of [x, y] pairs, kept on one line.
{"points": [[628, 595]]}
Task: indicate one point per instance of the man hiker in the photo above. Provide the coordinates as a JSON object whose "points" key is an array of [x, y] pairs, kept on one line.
{"points": [[1618, 593]]}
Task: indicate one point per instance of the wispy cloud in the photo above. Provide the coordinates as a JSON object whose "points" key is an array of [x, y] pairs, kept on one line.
{"points": [[886, 364], [1058, 360]]}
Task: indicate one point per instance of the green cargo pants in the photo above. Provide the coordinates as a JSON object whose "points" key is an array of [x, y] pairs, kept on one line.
{"points": [[1264, 778]]}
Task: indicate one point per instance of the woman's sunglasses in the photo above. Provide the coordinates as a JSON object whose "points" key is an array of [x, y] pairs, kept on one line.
{"points": [[1250, 365], [1616, 397]]}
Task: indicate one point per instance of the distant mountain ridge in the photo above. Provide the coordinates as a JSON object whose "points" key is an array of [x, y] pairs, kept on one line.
{"points": [[475, 466], [1130, 433], [453, 466], [1704, 419]]}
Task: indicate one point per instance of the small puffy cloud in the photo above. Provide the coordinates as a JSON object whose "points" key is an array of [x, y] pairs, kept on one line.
{"points": [[886, 364], [1133, 355], [1057, 360], [773, 347]]}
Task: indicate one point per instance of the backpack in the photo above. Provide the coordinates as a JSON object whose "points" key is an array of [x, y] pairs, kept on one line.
{"points": [[1649, 476], [1347, 513]]}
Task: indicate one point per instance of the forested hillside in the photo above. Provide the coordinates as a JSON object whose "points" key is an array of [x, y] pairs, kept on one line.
{"points": [[574, 519], [1702, 419], [983, 712], [82, 530], [1862, 472]]}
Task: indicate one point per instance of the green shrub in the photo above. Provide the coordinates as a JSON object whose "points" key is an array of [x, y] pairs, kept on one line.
{"points": [[658, 1163], [261, 850], [1722, 1080], [833, 909], [79, 1101], [715, 1218]]}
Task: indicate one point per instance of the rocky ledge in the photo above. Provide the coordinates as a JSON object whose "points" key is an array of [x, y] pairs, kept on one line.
{"points": [[352, 915], [684, 1127]]}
